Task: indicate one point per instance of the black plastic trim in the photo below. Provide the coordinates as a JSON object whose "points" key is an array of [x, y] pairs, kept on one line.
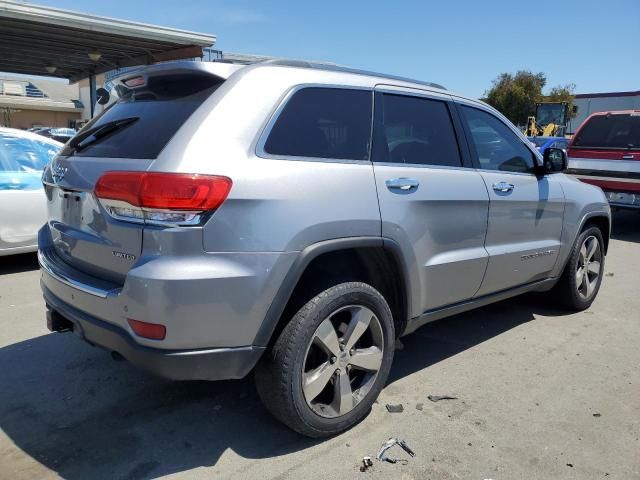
{"points": [[456, 308], [305, 257]]}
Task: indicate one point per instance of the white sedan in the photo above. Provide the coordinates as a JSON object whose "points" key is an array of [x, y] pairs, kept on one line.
{"points": [[23, 208]]}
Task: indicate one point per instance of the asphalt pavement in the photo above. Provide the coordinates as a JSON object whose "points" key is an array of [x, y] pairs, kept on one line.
{"points": [[541, 394]]}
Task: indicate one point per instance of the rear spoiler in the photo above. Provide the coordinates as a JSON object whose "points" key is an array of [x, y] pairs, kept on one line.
{"points": [[138, 78]]}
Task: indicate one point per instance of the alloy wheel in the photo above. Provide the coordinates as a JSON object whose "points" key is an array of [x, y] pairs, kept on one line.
{"points": [[588, 268], [342, 360]]}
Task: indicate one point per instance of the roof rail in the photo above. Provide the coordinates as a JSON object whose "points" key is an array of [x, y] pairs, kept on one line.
{"points": [[333, 67]]}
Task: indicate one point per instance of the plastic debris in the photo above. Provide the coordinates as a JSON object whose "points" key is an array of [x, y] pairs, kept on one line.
{"points": [[382, 453], [437, 398], [398, 408], [419, 406], [597, 415]]}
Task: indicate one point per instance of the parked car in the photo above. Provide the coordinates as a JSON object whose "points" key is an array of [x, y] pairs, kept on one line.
{"points": [[542, 143], [62, 135], [605, 151], [23, 207], [222, 218]]}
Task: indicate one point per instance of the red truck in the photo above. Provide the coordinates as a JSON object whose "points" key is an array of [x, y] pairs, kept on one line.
{"points": [[605, 151]]}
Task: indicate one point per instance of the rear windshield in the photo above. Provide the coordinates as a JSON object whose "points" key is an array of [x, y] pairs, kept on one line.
{"points": [[619, 131], [159, 110]]}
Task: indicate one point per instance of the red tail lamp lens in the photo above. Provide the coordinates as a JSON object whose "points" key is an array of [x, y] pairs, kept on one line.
{"points": [[167, 191], [152, 331]]}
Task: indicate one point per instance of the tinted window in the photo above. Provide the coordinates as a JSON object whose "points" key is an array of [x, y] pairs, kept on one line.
{"points": [[415, 131], [497, 147], [160, 108], [560, 144], [610, 131], [323, 123]]}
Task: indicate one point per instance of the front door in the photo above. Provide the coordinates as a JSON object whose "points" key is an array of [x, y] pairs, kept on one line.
{"points": [[432, 203], [525, 210]]}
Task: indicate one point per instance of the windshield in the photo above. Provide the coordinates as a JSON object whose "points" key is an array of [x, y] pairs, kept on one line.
{"points": [[547, 113], [538, 141], [160, 109], [21, 154], [613, 131]]}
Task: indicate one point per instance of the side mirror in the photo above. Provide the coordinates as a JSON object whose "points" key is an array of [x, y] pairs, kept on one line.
{"points": [[554, 160]]}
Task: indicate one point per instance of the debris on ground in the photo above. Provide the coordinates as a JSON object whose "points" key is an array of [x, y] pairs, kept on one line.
{"points": [[597, 415], [366, 464], [437, 398], [419, 406], [397, 408], [609, 274], [392, 442]]}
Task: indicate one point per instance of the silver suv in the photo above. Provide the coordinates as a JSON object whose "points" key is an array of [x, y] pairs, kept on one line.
{"points": [[294, 219]]}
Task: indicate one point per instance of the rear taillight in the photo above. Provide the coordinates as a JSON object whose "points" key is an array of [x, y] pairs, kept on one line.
{"points": [[161, 198]]}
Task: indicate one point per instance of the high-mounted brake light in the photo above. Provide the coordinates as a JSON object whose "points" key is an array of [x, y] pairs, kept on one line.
{"points": [[164, 198], [134, 82]]}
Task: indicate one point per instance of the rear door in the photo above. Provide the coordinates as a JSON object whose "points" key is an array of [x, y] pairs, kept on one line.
{"points": [[431, 201], [525, 210], [128, 136], [22, 200]]}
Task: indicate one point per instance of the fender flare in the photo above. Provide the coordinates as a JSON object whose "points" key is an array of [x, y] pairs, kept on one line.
{"points": [[306, 256]]}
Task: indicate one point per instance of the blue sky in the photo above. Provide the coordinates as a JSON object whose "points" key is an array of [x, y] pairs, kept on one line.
{"points": [[462, 44]]}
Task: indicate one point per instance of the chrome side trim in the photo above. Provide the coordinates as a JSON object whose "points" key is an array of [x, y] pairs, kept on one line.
{"points": [[60, 276], [630, 166]]}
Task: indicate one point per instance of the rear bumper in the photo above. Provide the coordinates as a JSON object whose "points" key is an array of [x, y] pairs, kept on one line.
{"points": [[198, 364]]}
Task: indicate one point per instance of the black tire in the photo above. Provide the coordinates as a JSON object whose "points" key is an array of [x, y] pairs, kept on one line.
{"points": [[567, 291], [279, 376]]}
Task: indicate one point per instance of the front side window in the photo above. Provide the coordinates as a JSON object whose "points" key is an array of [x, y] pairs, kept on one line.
{"points": [[323, 123], [414, 130], [497, 147]]}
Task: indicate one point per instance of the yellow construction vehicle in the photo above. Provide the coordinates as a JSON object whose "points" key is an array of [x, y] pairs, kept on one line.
{"points": [[550, 120]]}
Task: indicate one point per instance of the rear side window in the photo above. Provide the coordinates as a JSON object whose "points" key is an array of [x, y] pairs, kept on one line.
{"points": [[496, 146], [323, 123], [414, 130], [617, 131], [159, 110]]}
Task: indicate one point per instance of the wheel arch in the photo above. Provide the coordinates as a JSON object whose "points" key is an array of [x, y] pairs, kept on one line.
{"points": [[373, 260]]}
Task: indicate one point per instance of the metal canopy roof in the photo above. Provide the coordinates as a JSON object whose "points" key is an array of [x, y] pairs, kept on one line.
{"points": [[38, 40]]}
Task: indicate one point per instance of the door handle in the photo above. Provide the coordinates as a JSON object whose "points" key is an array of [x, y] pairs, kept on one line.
{"points": [[402, 185], [503, 187]]}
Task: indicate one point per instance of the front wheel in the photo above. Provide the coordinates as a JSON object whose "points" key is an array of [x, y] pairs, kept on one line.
{"points": [[582, 276], [330, 362]]}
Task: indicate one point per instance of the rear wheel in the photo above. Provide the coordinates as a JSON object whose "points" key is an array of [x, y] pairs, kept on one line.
{"points": [[330, 362], [582, 276]]}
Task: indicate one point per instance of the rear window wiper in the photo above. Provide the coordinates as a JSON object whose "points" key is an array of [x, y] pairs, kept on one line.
{"points": [[94, 134]]}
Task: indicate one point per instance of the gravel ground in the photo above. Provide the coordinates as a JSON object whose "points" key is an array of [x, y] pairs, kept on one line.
{"points": [[541, 394]]}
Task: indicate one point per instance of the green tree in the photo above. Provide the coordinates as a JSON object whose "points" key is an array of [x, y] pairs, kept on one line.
{"points": [[516, 95], [563, 93]]}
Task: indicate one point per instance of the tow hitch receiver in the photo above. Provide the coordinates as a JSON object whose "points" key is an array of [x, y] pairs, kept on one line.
{"points": [[57, 323]]}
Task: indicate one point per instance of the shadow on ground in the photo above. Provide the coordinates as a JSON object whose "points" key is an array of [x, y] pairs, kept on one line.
{"points": [[626, 225], [82, 415], [18, 263]]}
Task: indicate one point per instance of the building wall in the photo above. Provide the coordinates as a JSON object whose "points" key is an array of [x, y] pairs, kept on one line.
{"points": [[588, 105], [24, 119]]}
